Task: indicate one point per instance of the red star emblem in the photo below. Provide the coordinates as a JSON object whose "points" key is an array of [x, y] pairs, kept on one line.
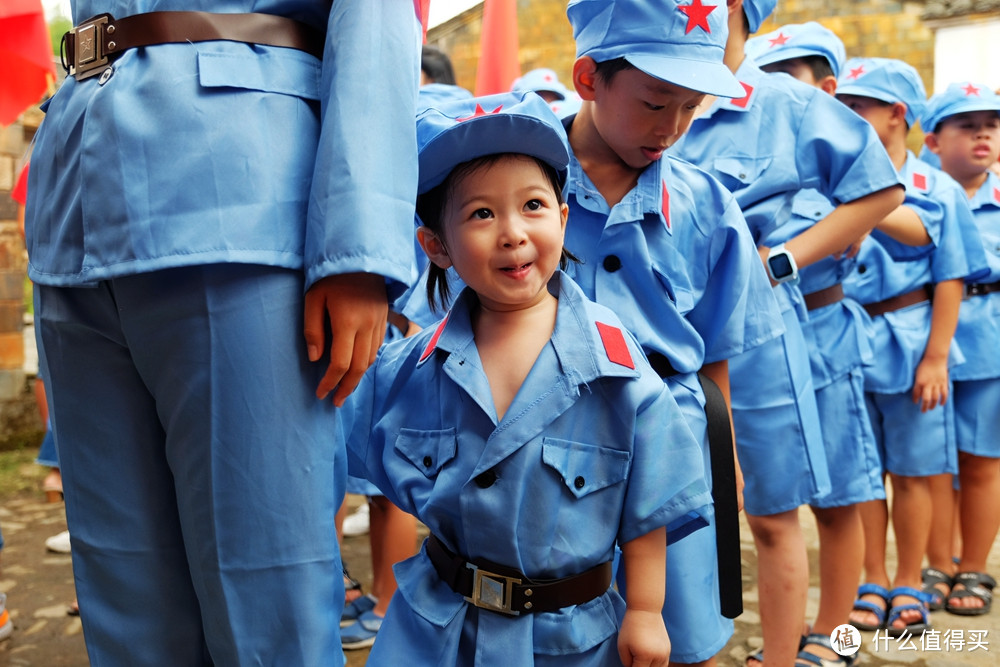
{"points": [[479, 112], [780, 40], [970, 90], [697, 15], [856, 72]]}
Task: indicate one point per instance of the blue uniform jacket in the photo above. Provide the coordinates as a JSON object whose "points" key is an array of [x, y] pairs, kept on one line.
{"points": [[591, 452], [978, 333], [900, 336], [221, 151]]}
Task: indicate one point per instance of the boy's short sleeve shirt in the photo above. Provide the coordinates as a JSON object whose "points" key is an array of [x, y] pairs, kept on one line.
{"points": [[676, 262], [593, 437], [979, 318], [782, 137]]}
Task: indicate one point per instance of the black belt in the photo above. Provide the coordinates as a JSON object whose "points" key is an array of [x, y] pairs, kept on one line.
{"points": [[507, 591], [980, 289], [90, 47], [727, 511]]}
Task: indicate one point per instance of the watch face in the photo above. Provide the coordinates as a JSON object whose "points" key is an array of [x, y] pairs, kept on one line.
{"points": [[781, 266]]}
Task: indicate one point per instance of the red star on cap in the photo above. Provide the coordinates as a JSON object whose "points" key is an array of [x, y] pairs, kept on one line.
{"points": [[479, 112], [856, 72], [780, 40], [970, 90], [697, 14]]}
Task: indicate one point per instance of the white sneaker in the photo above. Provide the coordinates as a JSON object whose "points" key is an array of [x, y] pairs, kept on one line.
{"points": [[356, 523], [6, 627], [59, 543]]}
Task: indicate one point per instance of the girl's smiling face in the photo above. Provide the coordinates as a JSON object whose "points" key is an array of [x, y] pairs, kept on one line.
{"points": [[503, 230]]}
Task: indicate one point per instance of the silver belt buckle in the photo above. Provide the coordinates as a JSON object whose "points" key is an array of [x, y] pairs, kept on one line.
{"points": [[88, 54], [492, 591]]}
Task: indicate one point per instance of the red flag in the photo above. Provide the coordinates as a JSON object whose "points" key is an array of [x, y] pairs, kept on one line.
{"points": [[26, 57], [424, 13], [498, 48]]}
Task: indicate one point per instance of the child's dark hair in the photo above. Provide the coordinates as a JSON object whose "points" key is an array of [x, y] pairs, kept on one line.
{"points": [[820, 67], [431, 208], [436, 64], [607, 69]]}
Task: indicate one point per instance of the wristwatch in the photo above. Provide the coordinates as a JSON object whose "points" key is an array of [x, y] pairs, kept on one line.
{"points": [[781, 265]]}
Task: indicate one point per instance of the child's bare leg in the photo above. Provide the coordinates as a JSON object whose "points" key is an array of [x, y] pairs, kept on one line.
{"points": [[911, 522], [874, 523], [841, 553], [782, 583], [980, 515], [393, 536], [940, 546]]}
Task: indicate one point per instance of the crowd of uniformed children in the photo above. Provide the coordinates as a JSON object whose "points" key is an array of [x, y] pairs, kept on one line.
{"points": [[711, 279], [828, 285]]}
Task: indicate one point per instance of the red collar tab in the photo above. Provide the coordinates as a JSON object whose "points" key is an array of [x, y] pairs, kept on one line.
{"points": [[615, 345], [996, 195], [920, 182], [745, 100], [434, 340], [666, 204]]}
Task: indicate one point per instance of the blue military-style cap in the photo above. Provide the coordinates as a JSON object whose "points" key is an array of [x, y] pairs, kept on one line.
{"points": [[958, 98], [757, 12], [538, 80], [678, 41], [885, 79], [457, 131], [798, 40]]}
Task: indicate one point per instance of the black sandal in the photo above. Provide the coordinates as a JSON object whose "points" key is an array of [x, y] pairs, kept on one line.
{"points": [[931, 578], [973, 585], [806, 658]]}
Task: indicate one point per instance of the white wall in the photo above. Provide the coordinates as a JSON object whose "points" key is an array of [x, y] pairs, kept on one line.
{"points": [[969, 52]]}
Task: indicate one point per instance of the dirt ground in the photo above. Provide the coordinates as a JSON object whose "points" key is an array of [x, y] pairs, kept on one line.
{"points": [[39, 586]]}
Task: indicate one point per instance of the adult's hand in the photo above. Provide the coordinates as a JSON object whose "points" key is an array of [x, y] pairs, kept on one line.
{"points": [[355, 305]]}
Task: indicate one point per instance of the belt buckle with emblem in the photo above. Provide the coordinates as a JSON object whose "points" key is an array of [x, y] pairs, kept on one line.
{"points": [[89, 58], [492, 591]]}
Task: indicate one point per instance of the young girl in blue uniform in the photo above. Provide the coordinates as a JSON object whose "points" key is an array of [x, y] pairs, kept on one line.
{"points": [[907, 387], [963, 131], [766, 146], [526, 430]]}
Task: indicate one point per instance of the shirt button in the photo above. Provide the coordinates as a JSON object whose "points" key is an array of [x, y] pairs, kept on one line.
{"points": [[428, 461], [579, 482], [486, 479], [612, 263], [862, 268]]}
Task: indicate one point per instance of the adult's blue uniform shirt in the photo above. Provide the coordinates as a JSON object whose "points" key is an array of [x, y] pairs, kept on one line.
{"points": [[246, 189], [591, 452]]}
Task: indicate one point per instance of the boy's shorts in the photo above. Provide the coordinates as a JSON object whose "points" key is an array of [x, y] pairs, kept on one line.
{"points": [[912, 443], [777, 424], [851, 455], [977, 417]]}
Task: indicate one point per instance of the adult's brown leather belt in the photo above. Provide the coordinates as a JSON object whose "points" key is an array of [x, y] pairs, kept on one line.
{"points": [[910, 298], [90, 47], [981, 289], [506, 591], [824, 297]]}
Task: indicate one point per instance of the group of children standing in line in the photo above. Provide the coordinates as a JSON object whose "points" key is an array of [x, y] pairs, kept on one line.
{"points": [[703, 226]]}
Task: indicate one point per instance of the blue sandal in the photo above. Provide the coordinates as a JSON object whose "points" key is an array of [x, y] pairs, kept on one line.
{"points": [[896, 611], [866, 605]]}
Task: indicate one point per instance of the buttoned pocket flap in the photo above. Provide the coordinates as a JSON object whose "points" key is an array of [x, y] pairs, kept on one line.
{"points": [[291, 73], [744, 169], [428, 451], [585, 468]]}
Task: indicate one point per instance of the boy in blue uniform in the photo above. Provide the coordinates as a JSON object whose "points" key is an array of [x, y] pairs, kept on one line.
{"points": [[210, 203], [665, 245], [526, 430], [962, 127], [779, 138], [908, 385]]}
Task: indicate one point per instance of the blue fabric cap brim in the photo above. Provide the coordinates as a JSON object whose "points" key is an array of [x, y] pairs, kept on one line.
{"points": [[711, 78], [446, 141]]}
